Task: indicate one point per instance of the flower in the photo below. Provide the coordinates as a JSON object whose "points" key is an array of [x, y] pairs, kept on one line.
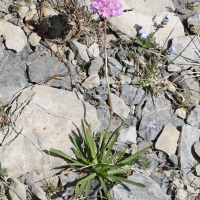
{"points": [[144, 33], [107, 8], [166, 16], [171, 50]]}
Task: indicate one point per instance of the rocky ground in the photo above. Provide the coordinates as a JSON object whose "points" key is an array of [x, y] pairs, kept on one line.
{"points": [[162, 110]]}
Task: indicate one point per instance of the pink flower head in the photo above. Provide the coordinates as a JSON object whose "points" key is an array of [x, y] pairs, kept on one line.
{"points": [[107, 8]]}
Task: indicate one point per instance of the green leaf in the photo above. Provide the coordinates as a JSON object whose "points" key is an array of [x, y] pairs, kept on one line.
{"points": [[117, 156], [115, 178], [83, 182], [77, 144], [92, 147], [140, 49], [105, 189], [109, 148], [60, 153], [88, 187], [117, 171], [163, 88], [79, 156], [132, 157]]}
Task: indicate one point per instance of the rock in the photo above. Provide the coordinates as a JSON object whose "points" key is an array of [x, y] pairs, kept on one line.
{"points": [[70, 54], [49, 11], [143, 144], [173, 68], [187, 81], [95, 65], [72, 176], [92, 81], [188, 97], [36, 190], [45, 67], [115, 68], [103, 92], [155, 114], [18, 188], [161, 179], [125, 79], [188, 54], [128, 135], [181, 194], [197, 148], [168, 139], [180, 112], [187, 154], [141, 17], [14, 36], [152, 190], [43, 118], [132, 95], [3, 7], [173, 160], [119, 107], [80, 52], [34, 39], [12, 78], [194, 116], [93, 50], [23, 11], [198, 170]]}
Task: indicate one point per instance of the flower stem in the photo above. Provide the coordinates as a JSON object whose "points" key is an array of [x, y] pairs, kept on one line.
{"points": [[106, 70]]}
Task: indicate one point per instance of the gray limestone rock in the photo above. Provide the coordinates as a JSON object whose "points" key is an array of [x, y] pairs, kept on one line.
{"points": [[132, 95], [44, 67], [128, 135], [36, 190], [43, 118], [197, 148], [115, 68], [193, 118], [152, 191], [155, 114], [95, 65], [190, 53], [168, 139], [173, 159], [119, 107], [141, 17], [14, 36], [17, 187], [12, 76], [92, 81], [162, 180], [80, 52], [189, 136]]}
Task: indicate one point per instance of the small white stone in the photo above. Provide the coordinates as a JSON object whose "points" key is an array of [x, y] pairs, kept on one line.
{"points": [[47, 11], [125, 79], [92, 81], [173, 68], [128, 135], [29, 17], [132, 109], [33, 12], [74, 62], [176, 182], [180, 112], [168, 139], [167, 173], [93, 50], [190, 189], [7, 17], [34, 39], [171, 88], [33, 7], [198, 170], [23, 11], [26, 30]]}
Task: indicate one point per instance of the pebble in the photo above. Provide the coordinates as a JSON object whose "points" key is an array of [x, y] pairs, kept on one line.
{"points": [[34, 39], [92, 81]]}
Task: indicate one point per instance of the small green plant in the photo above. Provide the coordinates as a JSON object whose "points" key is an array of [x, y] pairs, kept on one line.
{"points": [[15, 9], [94, 103], [95, 160], [3, 183]]}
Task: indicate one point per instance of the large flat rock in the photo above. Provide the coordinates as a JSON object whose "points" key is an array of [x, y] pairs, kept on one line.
{"points": [[42, 118]]}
